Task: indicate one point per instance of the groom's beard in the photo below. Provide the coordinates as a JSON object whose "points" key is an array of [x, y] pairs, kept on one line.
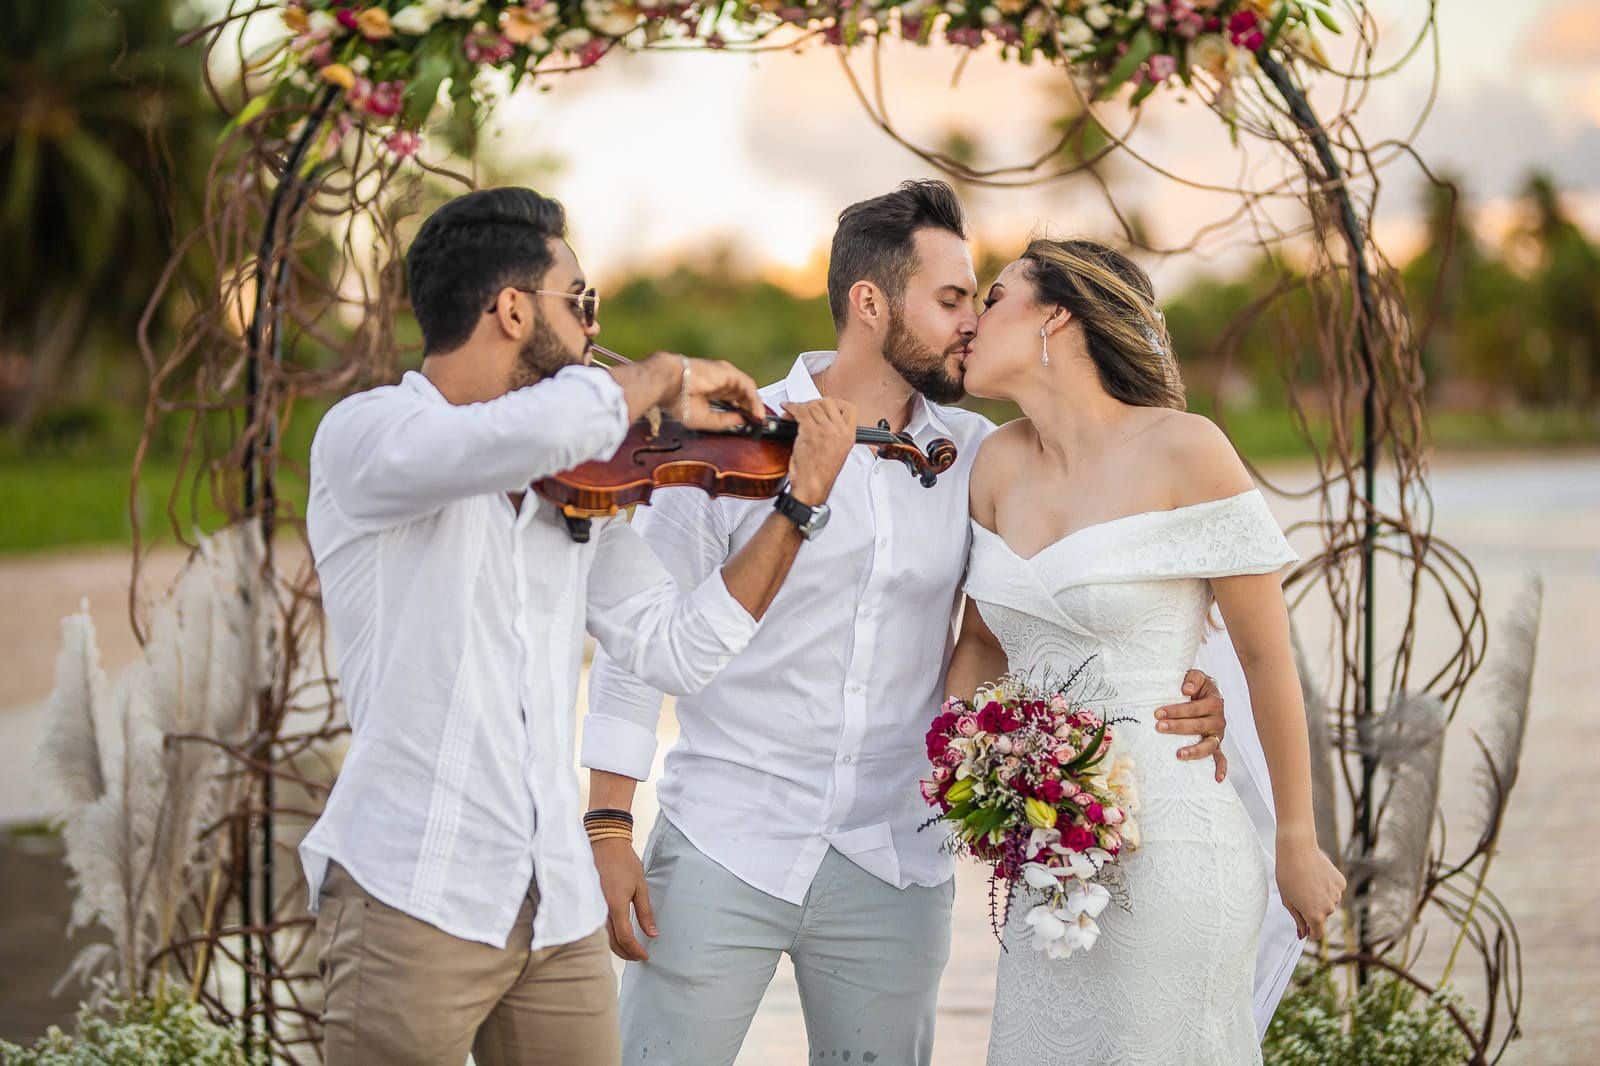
{"points": [[542, 356], [922, 367]]}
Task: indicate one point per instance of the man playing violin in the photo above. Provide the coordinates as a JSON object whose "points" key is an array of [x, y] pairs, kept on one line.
{"points": [[789, 805], [457, 898]]}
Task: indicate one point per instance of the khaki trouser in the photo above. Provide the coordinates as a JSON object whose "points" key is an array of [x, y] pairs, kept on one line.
{"points": [[400, 991]]}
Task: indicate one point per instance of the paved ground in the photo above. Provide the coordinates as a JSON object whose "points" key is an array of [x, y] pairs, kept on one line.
{"points": [[1511, 516]]}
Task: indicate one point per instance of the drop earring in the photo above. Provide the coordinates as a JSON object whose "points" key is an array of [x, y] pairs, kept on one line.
{"points": [[1044, 347]]}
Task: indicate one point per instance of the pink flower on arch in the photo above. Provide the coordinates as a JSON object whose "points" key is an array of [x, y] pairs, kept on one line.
{"points": [[386, 99]]}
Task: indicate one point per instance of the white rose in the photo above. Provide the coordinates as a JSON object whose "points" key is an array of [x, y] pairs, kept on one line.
{"points": [[1135, 10], [462, 9], [1209, 52], [323, 23], [414, 20], [573, 39], [1075, 33], [1096, 16], [990, 15]]}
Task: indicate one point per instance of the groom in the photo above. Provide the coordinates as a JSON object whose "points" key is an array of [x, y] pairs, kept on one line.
{"points": [[790, 805], [457, 903]]}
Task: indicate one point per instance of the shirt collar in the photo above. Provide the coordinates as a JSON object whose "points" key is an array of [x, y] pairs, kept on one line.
{"points": [[801, 385], [417, 382]]}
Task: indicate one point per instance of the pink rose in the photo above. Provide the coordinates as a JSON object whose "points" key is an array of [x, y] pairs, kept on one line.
{"points": [[1051, 791], [1110, 839], [930, 791], [967, 725], [941, 774], [593, 52], [1082, 799], [1162, 67], [952, 757], [386, 99], [1095, 813], [403, 144], [1065, 754], [1114, 815], [1070, 788]]}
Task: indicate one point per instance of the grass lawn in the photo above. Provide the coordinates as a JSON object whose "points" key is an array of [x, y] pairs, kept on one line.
{"points": [[59, 501]]}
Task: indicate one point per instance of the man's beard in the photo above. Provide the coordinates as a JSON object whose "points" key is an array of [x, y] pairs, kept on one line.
{"points": [[542, 356], [921, 366]]}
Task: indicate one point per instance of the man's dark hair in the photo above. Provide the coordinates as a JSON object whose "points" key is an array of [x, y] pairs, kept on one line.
{"points": [[471, 248], [875, 240]]}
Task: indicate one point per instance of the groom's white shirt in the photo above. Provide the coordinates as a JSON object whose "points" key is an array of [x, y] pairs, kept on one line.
{"points": [[813, 735], [459, 629]]}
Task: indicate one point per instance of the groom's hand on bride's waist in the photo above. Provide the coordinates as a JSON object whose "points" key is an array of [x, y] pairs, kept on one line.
{"points": [[1202, 717]]}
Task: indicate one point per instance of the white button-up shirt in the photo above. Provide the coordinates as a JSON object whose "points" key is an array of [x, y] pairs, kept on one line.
{"points": [[813, 736], [459, 627]]}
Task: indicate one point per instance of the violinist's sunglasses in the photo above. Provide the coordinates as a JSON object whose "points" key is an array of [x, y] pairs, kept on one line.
{"points": [[588, 301]]}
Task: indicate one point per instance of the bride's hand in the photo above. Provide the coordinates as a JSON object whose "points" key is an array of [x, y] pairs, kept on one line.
{"points": [[1311, 886]]}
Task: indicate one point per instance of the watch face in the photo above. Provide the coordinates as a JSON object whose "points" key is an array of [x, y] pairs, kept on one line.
{"points": [[819, 518]]}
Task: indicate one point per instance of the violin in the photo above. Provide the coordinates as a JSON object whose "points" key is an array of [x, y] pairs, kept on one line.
{"points": [[748, 463]]}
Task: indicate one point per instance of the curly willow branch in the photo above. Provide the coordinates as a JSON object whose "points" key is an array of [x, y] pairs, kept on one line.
{"points": [[313, 320]]}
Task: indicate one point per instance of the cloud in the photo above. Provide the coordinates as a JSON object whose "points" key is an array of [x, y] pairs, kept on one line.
{"points": [[1496, 135], [1567, 34]]}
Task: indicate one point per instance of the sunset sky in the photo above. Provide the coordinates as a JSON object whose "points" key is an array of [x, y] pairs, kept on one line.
{"points": [[662, 156]]}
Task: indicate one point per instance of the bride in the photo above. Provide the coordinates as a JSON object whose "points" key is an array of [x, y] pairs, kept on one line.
{"points": [[1133, 518]]}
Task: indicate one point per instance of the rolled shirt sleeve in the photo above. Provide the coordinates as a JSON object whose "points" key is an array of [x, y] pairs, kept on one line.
{"points": [[682, 532], [386, 463]]}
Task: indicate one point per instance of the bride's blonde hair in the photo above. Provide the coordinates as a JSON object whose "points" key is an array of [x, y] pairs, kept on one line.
{"points": [[1115, 302]]}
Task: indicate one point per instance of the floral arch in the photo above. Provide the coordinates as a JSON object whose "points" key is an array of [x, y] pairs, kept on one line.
{"points": [[331, 104]]}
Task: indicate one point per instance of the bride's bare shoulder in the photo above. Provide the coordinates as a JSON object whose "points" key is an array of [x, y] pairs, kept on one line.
{"points": [[1197, 460], [1000, 455]]}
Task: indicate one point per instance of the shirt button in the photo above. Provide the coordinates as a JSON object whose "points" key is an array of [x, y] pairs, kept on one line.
{"points": [[848, 759]]}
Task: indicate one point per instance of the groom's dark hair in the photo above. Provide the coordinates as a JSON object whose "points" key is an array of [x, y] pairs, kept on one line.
{"points": [[875, 240], [471, 248]]}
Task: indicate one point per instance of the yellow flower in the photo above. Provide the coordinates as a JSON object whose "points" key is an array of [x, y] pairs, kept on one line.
{"points": [[1012, 7], [374, 24], [296, 19], [339, 74], [1040, 814], [961, 790]]}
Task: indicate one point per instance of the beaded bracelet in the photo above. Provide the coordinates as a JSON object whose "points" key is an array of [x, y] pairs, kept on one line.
{"points": [[608, 824]]}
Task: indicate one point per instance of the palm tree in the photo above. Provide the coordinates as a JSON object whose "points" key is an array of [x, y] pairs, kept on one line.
{"points": [[105, 136], [1567, 281]]}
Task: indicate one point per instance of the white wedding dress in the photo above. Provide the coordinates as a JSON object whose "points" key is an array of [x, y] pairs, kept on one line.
{"points": [[1169, 982]]}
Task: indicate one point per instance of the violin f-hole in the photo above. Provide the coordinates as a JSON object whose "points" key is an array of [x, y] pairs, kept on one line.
{"points": [[655, 449]]}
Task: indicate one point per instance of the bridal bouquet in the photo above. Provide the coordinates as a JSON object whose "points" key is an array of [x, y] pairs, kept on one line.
{"points": [[1021, 773]]}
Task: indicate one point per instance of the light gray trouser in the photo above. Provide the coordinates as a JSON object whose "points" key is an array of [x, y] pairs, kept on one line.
{"points": [[867, 957]]}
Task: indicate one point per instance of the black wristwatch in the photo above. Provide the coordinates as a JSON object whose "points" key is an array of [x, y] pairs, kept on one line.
{"points": [[808, 520]]}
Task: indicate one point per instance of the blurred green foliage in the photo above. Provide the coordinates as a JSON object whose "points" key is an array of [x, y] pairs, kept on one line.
{"points": [[105, 137]]}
